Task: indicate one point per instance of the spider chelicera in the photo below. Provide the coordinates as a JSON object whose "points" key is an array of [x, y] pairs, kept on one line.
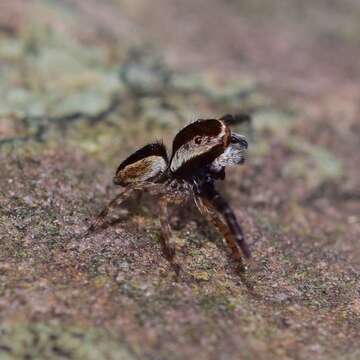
{"points": [[200, 153]]}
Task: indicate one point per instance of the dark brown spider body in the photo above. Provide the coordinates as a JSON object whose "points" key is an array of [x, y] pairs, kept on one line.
{"points": [[200, 153], [197, 145]]}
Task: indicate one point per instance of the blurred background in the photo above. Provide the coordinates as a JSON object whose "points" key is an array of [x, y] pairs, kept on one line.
{"points": [[83, 83]]}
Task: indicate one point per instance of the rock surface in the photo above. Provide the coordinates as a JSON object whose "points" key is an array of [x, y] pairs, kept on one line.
{"points": [[83, 83]]}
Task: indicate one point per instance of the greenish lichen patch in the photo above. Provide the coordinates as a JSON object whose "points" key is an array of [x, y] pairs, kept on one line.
{"points": [[317, 165], [54, 341], [77, 97]]}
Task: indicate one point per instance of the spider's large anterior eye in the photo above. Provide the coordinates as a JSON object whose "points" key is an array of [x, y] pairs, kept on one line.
{"points": [[197, 140]]}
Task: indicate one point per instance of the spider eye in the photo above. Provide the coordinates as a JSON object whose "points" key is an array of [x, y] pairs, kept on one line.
{"points": [[197, 140]]}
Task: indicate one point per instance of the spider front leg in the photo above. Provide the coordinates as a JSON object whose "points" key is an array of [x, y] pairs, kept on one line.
{"points": [[222, 206], [218, 212], [213, 217]]}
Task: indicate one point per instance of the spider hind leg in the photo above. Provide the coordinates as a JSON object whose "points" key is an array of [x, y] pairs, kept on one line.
{"points": [[99, 221]]}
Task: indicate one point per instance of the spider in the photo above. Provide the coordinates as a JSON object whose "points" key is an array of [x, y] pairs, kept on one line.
{"points": [[200, 153]]}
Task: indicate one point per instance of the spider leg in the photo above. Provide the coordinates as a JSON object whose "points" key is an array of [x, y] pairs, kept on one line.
{"points": [[222, 206], [153, 188], [116, 201], [214, 217], [216, 209], [167, 245]]}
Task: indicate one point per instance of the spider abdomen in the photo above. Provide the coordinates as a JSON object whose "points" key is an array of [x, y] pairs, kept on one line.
{"points": [[147, 164]]}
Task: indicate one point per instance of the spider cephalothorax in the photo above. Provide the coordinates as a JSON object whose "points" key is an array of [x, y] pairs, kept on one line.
{"points": [[200, 153]]}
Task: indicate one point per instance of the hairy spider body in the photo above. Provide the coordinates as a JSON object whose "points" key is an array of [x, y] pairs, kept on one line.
{"points": [[200, 153]]}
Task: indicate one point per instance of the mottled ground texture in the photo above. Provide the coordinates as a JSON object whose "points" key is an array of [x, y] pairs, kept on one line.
{"points": [[83, 83]]}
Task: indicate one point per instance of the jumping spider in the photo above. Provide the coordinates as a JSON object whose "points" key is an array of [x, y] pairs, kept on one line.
{"points": [[200, 153]]}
